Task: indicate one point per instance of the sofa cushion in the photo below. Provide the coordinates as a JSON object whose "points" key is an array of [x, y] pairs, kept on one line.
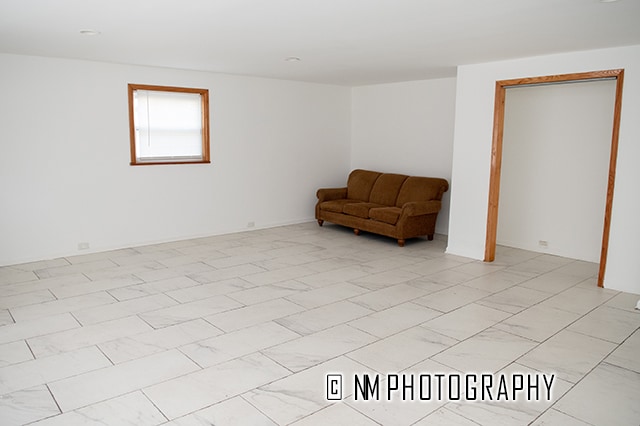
{"points": [[388, 215], [359, 209], [385, 190], [360, 183], [421, 189], [335, 205]]}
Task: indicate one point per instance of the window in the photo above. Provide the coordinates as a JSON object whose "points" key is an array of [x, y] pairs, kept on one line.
{"points": [[168, 125]]}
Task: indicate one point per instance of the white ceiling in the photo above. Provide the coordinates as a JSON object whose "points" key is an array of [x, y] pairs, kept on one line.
{"points": [[345, 42]]}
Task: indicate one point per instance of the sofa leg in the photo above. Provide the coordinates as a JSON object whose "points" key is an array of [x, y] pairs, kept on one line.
{"points": [[320, 222], [430, 237], [356, 231], [401, 243]]}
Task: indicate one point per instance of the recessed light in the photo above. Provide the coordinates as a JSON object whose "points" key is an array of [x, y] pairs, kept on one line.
{"points": [[90, 32], [293, 59]]}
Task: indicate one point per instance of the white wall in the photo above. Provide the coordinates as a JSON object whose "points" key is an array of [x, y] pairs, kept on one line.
{"points": [[472, 153], [64, 164], [405, 128], [547, 128]]}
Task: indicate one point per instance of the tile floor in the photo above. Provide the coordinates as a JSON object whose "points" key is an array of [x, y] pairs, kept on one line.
{"points": [[242, 329]]}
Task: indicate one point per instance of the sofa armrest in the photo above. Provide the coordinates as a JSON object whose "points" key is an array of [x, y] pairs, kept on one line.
{"points": [[417, 208], [328, 194]]}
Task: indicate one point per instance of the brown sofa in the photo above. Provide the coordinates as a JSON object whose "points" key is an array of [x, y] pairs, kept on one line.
{"points": [[394, 205]]}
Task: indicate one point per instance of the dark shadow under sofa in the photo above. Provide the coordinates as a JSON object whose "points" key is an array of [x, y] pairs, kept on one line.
{"points": [[394, 205]]}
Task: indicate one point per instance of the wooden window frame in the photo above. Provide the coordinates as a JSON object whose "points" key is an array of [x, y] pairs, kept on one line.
{"points": [[204, 96]]}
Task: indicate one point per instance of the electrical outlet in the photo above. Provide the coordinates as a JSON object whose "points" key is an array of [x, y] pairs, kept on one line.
{"points": [[543, 243], [251, 224], [83, 246]]}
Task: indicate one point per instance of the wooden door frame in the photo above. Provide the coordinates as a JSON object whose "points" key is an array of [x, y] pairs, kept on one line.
{"points": [[496, 153]]}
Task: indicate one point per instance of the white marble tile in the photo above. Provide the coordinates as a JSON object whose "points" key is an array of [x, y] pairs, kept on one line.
{"points": [[204, 291], [497, 410], [626, 301], [325, 295], [314, 320], [387, 279], [417, 343], [452, 298], [154, 274], [232, 412], [26, 406], [13, 276], [128, 271], [133, 409], [607, 323], [237, 343], [395, 319], [279, 275], [263, 293], [188, 311], [227, 261], [553, 282], [578, 300], [495, 282], [569, 355], [541, 264], [554, 417], [92, 266], [150, 342], [478, 268], [301, 394], [103, 255], [192, 392], [5, 317], [240, 271], [446, 278], [580, 268], [77, 338], [127, 308], [440, 269], [30, 312], [319, 347], [43, 370], [254, 314], [538, 322], [334, 276], [445, 417], [466, 321], [79, 391], [14, 352], [154, 287], [626, 355], [78, 289], [514, 299], [42, 284], [336, 414], [38, 296], [486, 352], [40, 264], [37, 327], [387, 297], [607, 395]]}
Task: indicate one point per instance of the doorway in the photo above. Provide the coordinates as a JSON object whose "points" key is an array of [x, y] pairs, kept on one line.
{"points": [[496, 153]]}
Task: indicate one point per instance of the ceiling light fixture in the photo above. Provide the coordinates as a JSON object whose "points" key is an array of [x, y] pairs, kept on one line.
{"points": [[293, 59], [90, 32]]}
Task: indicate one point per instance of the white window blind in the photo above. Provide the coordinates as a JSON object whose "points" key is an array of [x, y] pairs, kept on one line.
{"points": [[168, 126]]}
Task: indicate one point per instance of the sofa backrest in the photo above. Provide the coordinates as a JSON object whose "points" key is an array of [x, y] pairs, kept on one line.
{"points": [[360, 183], [385, 190], [417, 188]]}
